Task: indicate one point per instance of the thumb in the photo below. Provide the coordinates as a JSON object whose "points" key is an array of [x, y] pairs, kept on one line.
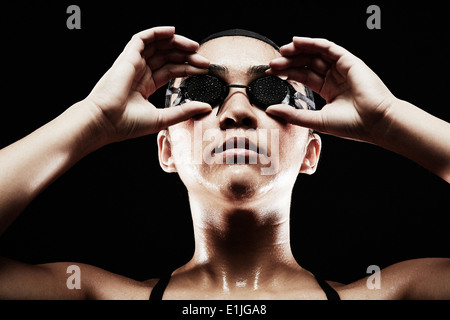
{"points": [[176, 114], [305, 118]]}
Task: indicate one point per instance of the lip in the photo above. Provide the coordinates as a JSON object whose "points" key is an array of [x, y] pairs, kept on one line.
{"points": [[238, 146]]}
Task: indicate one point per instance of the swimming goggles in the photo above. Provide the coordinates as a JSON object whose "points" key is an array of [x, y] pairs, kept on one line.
{"points": [[262, 93]]}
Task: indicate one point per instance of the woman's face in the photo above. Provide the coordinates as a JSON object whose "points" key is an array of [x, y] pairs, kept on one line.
{"points": [[241, 152]]}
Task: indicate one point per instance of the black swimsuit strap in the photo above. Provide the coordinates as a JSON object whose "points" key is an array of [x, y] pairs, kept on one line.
{"points": [[160, 287], [158, 290], [329, 291]]}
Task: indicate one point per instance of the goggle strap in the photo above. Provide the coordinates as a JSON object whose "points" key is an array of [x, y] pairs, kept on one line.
{"points": [[169, 92], [311, 104]]}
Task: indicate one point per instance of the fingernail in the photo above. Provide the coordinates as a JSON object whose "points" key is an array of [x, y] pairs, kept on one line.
{"points": [[201, 58], [279, 59]]}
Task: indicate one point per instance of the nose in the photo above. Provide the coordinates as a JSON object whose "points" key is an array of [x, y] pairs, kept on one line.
{"points": [[237, 112]]}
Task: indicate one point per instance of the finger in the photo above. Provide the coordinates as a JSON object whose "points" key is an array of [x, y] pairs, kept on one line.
{"points": [[340, 57], [157, 33], [304, 118], [173, 115], [139, 40], [176, 56], [314, 63], [170, 71], [327, 49], [175, 42], [183, 43], [198, 60], [303, 75]]}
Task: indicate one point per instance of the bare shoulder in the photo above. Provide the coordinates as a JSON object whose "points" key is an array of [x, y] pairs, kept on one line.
{"points": [[67, 280], [427, 278]]}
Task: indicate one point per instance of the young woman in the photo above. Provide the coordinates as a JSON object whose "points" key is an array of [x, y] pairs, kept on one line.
{"points": [[238, 156]]}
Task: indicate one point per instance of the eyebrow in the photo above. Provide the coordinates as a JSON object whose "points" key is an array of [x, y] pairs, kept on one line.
{"points": [[258, 70], [217, 70], [221, 70]]}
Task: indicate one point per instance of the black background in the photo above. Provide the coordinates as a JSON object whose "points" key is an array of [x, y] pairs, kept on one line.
{"points": [[118, 210]]}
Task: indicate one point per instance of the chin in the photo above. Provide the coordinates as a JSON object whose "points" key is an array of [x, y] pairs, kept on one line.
{"points": [[243, 182], [234, 183], [239, 190]]}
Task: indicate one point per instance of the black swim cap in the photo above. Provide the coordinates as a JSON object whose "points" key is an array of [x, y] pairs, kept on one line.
{"points": [[242, 33]]}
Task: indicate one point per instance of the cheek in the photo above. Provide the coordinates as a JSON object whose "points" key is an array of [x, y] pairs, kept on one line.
{"points": [[181, 140], [292, 146], [196, 136], [189, 140]]}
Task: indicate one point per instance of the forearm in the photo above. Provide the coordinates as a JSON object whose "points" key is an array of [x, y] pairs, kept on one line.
{"points": [[417, 135], [31, 164]]}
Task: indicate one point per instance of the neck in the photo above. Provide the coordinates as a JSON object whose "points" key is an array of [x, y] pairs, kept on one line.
{"points": [[244, 244]]}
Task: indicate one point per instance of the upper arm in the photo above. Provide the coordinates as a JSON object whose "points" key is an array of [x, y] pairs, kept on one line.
{"points": [[57, 281], [426, 278], [416, 279], [48, 281]]}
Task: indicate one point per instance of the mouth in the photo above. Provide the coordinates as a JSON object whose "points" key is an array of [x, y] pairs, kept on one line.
{"points": [[239, 150]]}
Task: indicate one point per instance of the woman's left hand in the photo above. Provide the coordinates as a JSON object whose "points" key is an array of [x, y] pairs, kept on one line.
{"points": [[357, 100]]}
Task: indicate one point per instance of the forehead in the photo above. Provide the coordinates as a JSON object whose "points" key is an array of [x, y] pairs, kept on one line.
{"points": [[238, 52]]}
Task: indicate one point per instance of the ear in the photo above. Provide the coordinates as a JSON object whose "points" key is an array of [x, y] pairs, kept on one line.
{"points": [[311, 159], [165, 152]]}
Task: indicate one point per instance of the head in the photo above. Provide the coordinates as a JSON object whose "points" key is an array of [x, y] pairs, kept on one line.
{"points": [[238, 154]]}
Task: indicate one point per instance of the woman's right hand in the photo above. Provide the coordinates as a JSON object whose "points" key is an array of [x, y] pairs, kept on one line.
{"points": [[148, 62]]}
